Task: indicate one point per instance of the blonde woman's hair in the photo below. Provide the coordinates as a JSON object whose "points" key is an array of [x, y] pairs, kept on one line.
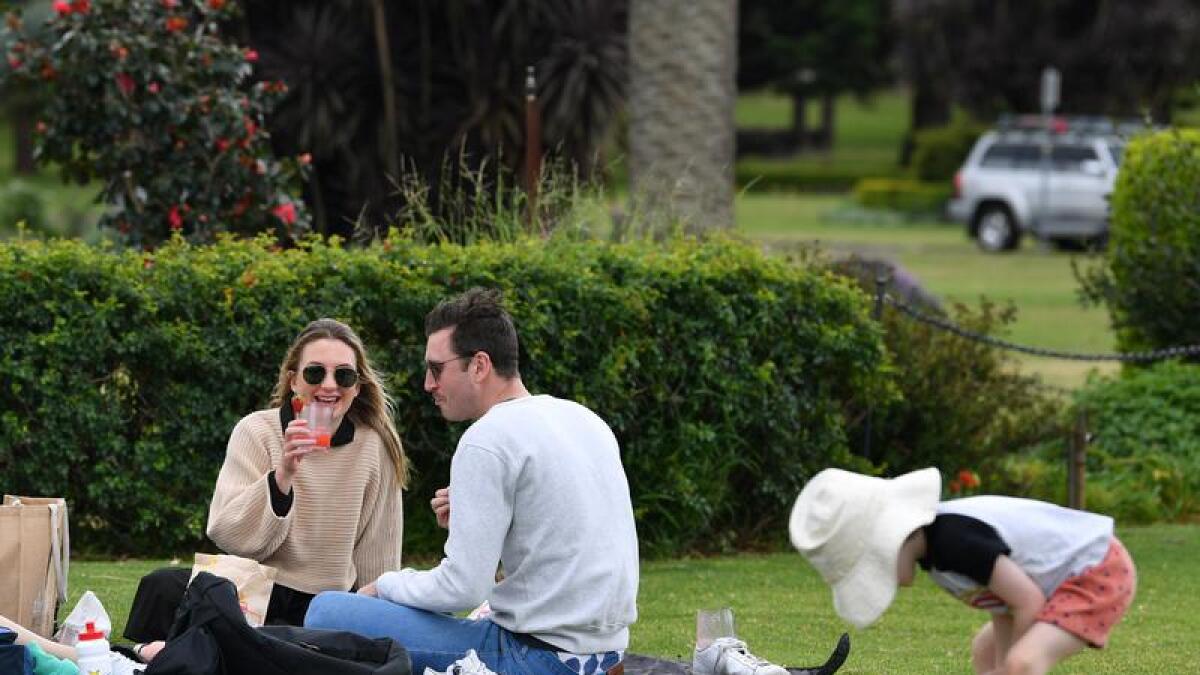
{"points": [[372, 407]]}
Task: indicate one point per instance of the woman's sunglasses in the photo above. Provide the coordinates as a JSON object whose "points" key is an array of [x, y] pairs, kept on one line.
{"points": [[344, 376]]}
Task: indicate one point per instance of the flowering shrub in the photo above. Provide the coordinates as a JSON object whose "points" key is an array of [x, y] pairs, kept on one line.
{"points": [[965, 483], [144, 96]]}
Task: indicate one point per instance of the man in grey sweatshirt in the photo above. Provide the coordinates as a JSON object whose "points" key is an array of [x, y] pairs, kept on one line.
{"points": [[538, 489]]}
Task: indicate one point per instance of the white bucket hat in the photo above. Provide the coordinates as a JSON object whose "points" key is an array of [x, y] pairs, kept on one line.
{"points": [[851, 527]]}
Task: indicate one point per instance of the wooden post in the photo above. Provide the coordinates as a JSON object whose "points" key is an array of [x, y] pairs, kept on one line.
{"points": [[881, 284], [1077, 462], [533, 145]]}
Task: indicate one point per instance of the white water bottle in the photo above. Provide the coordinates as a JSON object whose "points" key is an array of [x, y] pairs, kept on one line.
{"points": [[91, 652]]}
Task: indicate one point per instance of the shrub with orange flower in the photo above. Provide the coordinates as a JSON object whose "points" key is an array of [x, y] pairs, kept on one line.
{"points": [[965, 483]]}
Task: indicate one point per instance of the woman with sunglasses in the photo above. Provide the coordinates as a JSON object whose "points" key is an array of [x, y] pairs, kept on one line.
{"points": [[324, 518]]}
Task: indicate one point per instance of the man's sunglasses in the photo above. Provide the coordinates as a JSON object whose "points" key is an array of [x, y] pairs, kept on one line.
{"points": [[435, 368], [344, 376]]}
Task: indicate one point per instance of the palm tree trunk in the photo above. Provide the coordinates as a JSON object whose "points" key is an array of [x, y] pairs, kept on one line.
{"points": [[682, 62]]}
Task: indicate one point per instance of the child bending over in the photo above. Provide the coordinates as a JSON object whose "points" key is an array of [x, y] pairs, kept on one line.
{"points": [[1055, 580]]}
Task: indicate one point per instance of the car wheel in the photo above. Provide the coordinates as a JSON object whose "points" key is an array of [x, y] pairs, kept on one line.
{"points": [[995, 229]]}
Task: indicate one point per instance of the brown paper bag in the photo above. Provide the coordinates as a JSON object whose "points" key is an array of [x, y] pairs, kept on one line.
{"points": [[254, 581], [35, 552]]}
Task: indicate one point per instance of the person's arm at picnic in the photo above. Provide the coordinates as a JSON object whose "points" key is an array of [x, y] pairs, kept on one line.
{"points": [[241, 520], [482, 514], [379, 545]]}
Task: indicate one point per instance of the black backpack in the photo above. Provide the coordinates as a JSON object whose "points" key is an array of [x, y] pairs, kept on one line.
{"points": [[211, 637]]}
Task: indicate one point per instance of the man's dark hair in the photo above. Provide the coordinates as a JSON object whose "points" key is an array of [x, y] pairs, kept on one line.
{"points": [[480, 325]]}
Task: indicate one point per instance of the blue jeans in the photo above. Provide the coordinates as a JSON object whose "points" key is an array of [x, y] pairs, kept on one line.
{"points": [[433, 640]]}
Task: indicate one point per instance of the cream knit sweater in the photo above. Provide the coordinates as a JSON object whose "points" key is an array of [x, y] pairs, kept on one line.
{"points": [[345, 525]]}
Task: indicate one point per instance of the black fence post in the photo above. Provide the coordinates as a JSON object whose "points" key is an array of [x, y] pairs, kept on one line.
{"points": [[881, 282]]}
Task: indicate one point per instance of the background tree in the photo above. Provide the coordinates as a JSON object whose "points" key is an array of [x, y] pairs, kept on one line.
{"points": [[812, 49], [20, 101], [1117, 57], [682, 61], [144, 97], [455, 70]]}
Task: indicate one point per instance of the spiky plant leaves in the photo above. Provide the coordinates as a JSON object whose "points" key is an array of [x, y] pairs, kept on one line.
{"points": [[582, 75]]}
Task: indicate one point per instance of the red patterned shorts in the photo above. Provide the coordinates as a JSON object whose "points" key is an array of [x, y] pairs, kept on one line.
{"points": [[1089, 604]]}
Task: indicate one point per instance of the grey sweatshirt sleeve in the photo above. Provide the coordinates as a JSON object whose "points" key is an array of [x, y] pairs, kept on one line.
{"points": [[481, 509]]}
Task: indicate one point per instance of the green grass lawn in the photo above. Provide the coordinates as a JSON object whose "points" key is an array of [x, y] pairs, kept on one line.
{"points": [[867, 132], [784, 611], [1038, 281]]}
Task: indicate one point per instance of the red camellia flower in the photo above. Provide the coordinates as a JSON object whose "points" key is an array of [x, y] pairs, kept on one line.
{"points": [[222, 144], [216, 4], [62, 8], [153, 87], [251, 55], [125, 83], [174, 24], [81, 6], [174, 218], [285, 212], [170, 4]]}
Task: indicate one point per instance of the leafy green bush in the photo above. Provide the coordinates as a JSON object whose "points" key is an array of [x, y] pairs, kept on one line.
{"points": [[939, 152], [962, 404], [723, 373], [1143, 464], [902, 194], [144, 96], [1146, 277], [20, 203]]}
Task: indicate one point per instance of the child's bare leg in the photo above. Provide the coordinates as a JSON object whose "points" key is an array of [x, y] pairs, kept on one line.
{"points": [[25, 636], [983, 650], [1042, 647]]}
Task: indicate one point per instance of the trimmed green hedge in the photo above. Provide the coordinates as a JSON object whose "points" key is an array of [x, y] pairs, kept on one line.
{"points": [[902, 194], [940, 151], [1148, 276], [723, 373]]}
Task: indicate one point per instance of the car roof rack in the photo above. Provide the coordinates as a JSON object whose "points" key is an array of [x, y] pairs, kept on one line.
{"points": [[1084, 125]]}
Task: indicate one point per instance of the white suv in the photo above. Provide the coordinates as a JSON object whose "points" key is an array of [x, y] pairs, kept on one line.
{"points": [[1054, 185]]}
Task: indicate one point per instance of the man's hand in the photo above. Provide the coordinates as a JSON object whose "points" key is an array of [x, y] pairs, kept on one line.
{"points": [[441, 507], [369, 590]]}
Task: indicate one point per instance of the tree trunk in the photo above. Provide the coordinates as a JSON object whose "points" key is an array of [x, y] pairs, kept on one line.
{"points": [[799, 121], [930, 108], [682, 62], [23, 128], [828, 117]]}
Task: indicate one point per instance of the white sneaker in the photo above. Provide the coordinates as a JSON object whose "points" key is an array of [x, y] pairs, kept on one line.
{"points": [[467, 665], [729, 656]]}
